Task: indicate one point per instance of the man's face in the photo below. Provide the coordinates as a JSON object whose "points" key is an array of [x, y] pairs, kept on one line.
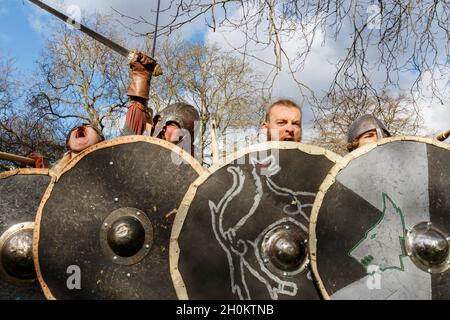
{"points": [[83, 137], [367, 137], [284, 124], [172, 132]]}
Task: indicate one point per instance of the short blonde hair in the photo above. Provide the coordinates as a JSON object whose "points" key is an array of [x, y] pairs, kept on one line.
{"points": [[282, 102]]}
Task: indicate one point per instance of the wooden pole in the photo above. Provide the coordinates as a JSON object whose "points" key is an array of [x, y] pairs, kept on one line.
{"points": [[443, 135], [13, 157], [214, 144]]}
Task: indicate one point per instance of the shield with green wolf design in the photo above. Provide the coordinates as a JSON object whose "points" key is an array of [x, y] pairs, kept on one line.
{"points": [[380, 225]]}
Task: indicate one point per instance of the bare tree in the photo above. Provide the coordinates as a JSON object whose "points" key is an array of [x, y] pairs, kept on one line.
{"points": [[332, 125], [384, 39], [80, 80], [23, 131], [223, 87]]}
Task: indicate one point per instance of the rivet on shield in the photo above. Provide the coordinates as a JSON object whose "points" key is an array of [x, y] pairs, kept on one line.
{"points": [[105, 224], [115, 258], [128, 275], [111, 163], [116, 199], [138, 213]]}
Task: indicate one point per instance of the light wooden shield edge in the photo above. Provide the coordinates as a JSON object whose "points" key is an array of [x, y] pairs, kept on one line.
{"points": [[31, 171], [328, 182], [174, 249], [101, 145]]}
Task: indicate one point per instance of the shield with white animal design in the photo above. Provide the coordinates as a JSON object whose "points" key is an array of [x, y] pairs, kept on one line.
{"points": [[21, 192], [242, 229], [102, 230], [380, 226]]}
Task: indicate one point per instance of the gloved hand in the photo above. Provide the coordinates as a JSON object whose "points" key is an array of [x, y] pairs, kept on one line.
{"points": [[38, 160], [142, 67]]}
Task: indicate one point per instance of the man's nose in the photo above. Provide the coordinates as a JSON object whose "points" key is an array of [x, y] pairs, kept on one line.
{"points": [[289, 127]]}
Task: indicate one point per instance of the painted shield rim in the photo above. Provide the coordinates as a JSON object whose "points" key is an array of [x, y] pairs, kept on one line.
{"points": [[101, 145], [174, 248], [329, 181], [31, 171]]}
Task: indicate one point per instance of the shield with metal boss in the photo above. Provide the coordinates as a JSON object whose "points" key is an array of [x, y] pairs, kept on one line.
{"points": [[242, 230], [103, 228], [380, 226], [21, 192]]}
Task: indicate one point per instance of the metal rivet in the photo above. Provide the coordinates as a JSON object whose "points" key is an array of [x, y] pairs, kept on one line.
{"points": [[286, 226], [138, 213], [266, 260], [429, 224], [111, 163], [285, 274], [115, 258], [409, 254], [105, 224], [305, 241], [116, 199], [147, 246], [128, 275], [448, 238], [429, 270]]}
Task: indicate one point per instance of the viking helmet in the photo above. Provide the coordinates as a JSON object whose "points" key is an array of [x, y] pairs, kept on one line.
{"points": [[182, 114], [366, 123]]}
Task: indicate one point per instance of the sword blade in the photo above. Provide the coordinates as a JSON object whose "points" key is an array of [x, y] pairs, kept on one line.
{"points": [[95, 35]]}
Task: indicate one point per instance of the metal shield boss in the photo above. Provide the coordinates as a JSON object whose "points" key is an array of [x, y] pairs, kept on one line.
{"points": [[20, 194], [380, 227], [242, 229], [103, 229]]}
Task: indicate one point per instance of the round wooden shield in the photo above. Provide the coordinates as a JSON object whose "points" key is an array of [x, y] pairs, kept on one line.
{"points": [[21, 192], [241, 231], [102, 230], [380, 226]]}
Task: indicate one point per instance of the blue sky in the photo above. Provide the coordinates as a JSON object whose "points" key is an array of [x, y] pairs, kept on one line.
{"points": [[23, 33], [18, 39]]}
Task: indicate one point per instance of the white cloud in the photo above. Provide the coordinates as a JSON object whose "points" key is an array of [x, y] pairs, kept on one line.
{"points": [[318, 71], [36, 22], [320, 67], [145, 9], [436, 114]]}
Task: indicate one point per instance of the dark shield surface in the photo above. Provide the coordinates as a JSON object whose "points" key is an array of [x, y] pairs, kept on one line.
{"points": [[242, 230], [104, 230], [381, 225], [21, 192]]}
